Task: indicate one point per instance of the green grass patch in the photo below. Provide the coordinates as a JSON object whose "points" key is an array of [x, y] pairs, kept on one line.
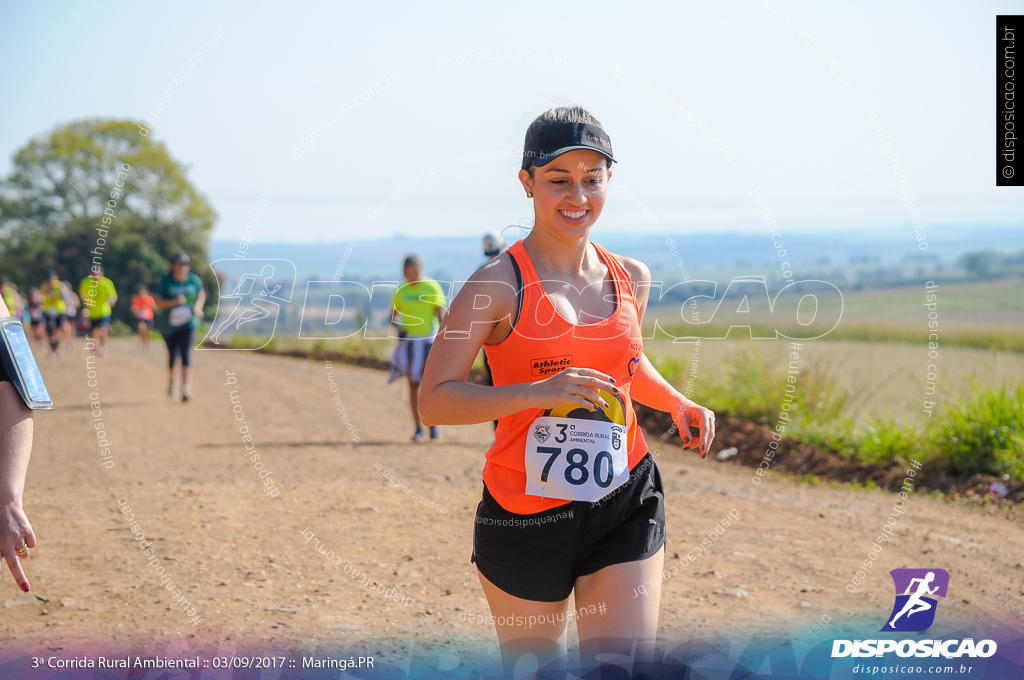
{"points": [[755, 389], [981, 433], [1003, 337]]}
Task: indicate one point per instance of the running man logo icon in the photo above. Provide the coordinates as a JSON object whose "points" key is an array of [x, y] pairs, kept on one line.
{"points": [[914, 610], [260, 291]]}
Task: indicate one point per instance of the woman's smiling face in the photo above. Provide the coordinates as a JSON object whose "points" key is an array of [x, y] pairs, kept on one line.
{"points": [[570, 191]]}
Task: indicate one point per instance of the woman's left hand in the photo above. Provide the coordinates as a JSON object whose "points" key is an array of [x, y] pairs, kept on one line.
{"points": [[688, 414]]}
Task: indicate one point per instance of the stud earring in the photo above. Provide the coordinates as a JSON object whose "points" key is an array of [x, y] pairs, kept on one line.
{"points": [[529, 194]]}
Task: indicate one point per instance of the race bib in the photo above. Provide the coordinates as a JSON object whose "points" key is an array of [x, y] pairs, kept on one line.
{"points": [[575, 458], [180, 315]]}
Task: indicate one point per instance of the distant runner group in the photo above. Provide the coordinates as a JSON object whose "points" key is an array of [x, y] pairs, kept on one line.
{"points": [[54, 311]]}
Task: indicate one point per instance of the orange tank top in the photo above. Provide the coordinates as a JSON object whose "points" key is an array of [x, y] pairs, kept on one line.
{"points": [[543, 343]]}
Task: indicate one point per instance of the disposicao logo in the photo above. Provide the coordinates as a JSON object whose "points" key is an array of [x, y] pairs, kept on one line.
{"points": [[913, 612], [262, 289]]}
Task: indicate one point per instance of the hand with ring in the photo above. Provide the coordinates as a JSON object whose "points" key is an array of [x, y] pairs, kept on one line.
{"points": [[16, 540]]}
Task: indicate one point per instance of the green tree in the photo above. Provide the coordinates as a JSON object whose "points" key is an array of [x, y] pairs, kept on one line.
{"points": [[97, 190]]}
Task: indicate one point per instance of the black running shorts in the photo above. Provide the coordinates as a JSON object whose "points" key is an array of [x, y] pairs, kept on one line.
{"points": [[53, 322], [100, 322], [539, 557]]}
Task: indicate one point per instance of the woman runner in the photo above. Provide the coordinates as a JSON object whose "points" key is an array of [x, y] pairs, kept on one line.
{"points": [[180, 295], [572, 498]]}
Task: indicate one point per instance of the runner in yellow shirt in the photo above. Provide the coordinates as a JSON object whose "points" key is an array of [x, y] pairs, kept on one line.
{"points": [[54, 310], [98, 299], [418, 311]]}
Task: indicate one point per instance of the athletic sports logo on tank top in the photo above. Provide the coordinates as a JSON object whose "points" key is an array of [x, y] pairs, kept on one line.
{"points": [[550, 365], [586, 459]]}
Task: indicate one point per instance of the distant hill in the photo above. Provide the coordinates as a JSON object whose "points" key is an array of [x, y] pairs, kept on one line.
{"points": [[725, 253]]}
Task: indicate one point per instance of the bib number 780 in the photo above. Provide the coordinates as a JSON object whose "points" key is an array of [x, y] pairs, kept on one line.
{"points": [[575, 459], [576, 471]]}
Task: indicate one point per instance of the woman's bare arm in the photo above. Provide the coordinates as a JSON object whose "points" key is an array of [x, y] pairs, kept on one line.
{"points": [[16, 428], [445, 398], [651, 389], [200, 302]]}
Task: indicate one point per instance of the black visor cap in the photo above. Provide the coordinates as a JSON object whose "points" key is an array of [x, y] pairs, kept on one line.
{"points": [[554, 140]]}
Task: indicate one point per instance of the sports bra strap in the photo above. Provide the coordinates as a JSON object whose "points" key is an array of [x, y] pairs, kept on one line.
{"points": [[519, 289]]}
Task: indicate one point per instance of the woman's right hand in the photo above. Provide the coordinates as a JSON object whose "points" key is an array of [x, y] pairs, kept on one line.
{"points": [[180, 300], [577, 386], [15, 532]]}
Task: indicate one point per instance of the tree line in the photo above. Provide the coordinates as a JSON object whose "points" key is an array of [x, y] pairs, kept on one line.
{"points": [[96, 190]]}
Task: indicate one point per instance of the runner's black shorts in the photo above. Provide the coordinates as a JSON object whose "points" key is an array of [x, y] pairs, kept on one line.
{"points": [[54, 321], [539, 557], [99, 322]]}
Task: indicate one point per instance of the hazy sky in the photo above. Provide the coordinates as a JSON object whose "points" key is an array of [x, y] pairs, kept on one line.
{"points": [[746, 99]]}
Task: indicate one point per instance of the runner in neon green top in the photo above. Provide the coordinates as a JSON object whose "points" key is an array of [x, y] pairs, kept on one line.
{"points": [[54, 310], [419, 305], [98, 299], [418, 311]]}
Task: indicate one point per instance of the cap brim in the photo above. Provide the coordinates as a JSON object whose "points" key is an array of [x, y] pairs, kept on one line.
{"points": [[541, 161]]}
